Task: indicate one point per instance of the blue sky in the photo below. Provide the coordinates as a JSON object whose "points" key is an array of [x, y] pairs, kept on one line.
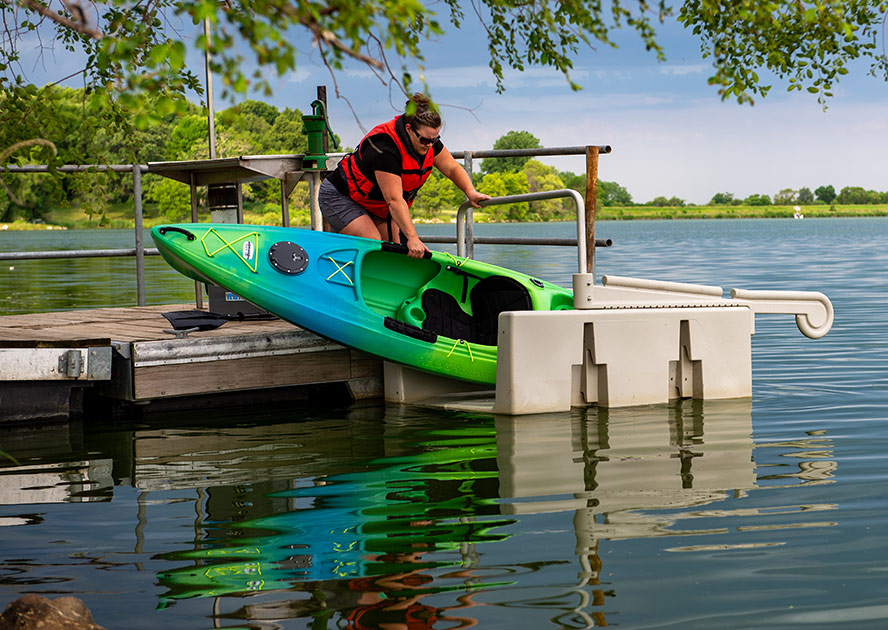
{"points": [[671, 135]]}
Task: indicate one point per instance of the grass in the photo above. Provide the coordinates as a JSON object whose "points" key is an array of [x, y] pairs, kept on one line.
{"points": [[121, 215], [739, 212]]}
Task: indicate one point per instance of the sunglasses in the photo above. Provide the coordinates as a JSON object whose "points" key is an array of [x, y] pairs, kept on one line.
{"points": [[423, 139]]}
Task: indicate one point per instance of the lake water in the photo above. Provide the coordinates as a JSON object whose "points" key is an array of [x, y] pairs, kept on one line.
{"points": [[767, 512]]}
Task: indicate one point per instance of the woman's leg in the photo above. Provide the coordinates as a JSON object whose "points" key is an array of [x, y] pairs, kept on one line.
{"points": [[366, 227], [347, 217]]}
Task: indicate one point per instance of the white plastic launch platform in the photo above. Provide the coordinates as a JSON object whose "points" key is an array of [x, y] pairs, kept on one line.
{"points": [[630, 341]]}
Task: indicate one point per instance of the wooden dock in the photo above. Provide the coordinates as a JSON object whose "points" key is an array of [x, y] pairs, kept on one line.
{"points": [[132, 356]]}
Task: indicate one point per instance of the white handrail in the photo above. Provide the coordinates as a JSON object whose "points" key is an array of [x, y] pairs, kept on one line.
{"points": [[813, 310], [661, 285], [467, 250]]}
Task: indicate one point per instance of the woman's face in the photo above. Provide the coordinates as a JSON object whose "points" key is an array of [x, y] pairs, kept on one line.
{"points": [[422, 138]]}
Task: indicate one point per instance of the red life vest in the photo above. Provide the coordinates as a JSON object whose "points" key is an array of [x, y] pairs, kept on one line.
{"points": [[365, 191]]}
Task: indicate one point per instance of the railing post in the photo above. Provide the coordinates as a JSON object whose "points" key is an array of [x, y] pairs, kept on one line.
{"points": [[198, 294], [591, 197], [140, 251], [314, 187], [285, 202], [470, 216]]}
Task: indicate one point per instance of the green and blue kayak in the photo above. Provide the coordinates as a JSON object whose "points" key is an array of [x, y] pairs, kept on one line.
{"points": [[438, 314]]}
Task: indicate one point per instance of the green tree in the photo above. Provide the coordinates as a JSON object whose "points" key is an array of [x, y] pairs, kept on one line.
{"points": [[825, 193], [785, 197], [266, 112], [675, 202], [757, 200], [612, 194], [286, 133], [82, 130], [173, 198], [541, 177], [574, 181], [721, 199], [511, 140], [805, 195], [437, 196], [502, 185], [852, 195], [188, 138]]}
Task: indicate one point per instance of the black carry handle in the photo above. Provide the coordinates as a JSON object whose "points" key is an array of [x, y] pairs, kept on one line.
{"points": [[171, 228], [397, 248]]}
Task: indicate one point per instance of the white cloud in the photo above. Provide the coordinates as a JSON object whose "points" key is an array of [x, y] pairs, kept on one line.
{"points": [[681, 70], [299, 75]]}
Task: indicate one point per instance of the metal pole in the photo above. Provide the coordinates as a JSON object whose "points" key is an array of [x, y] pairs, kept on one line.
{"points": [[591, 196], [317, 219], [240, 203], [285, 202], [211, 112], [470, 214], [140, 252], [198, 295]]}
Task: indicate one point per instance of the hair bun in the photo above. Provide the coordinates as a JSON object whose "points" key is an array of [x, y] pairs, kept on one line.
{"points": [[425, 113], [421, 101]]}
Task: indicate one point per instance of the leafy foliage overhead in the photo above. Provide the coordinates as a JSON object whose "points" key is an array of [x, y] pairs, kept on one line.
{"points": [[807, 42], [138, 47]]}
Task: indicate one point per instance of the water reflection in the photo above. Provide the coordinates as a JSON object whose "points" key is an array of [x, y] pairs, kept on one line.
{"points": [[414, 514], [49, 465], [399, 517]]}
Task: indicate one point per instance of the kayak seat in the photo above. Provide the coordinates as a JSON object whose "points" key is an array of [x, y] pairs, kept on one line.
{"points": [[490, 297], [444, 316]]}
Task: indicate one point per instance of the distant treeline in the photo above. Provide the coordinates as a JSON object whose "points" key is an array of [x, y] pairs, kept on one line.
{"points": [[88, 129]]}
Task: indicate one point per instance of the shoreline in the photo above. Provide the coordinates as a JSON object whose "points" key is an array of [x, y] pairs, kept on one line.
{"points": [[115, 220]]}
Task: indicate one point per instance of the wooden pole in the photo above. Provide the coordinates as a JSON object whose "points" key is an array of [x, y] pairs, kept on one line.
{"points": [[591, 196]]}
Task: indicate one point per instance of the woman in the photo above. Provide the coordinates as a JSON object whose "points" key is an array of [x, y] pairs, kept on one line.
{"points": [[370, 192]]}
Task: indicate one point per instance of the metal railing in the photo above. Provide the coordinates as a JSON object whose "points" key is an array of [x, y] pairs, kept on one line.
{"points": [[138, 251], [465, 238], [465, 246]]}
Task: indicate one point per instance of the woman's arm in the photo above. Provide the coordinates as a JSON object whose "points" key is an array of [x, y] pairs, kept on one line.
{"points": [[452, 170], [393, 193]]}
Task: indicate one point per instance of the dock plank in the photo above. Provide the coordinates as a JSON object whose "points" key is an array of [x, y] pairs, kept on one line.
{"points": [[163, 381], [120, 324], [298, 359]]}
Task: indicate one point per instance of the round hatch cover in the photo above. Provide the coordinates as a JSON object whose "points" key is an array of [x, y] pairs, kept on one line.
{"points": [[288, 257]]}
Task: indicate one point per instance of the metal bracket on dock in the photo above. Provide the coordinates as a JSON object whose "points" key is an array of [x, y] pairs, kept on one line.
{"points": [[71, 363], [55, 364], [181, 334]]}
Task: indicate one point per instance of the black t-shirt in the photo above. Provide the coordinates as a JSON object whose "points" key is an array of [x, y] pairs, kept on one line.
{"points": [[380, 153]]}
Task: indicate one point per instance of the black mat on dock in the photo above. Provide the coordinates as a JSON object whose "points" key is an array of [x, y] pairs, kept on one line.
{"points": [[184, 320]]}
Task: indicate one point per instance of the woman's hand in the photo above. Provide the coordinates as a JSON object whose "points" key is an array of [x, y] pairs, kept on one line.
{"points": [[475, 198], [416, 248]]}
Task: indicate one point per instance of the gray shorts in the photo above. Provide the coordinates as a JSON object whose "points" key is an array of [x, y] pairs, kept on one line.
{"points": [[339, 210]]}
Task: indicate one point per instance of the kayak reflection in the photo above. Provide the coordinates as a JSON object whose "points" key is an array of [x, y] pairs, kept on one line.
{"points": [[434, 512]]}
